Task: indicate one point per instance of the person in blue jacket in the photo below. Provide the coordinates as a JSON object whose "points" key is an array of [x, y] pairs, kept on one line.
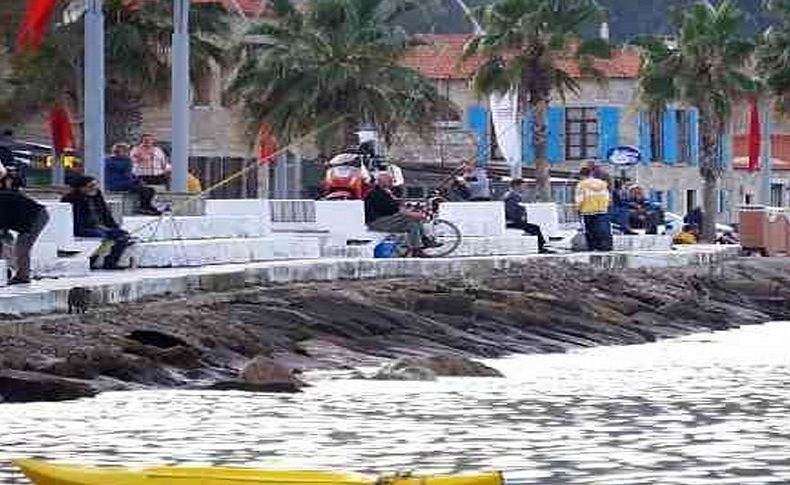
{"points": [[120, 178]]}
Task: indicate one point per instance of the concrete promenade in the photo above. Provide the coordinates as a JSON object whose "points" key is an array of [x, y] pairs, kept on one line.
{"points": [[111, 287]]}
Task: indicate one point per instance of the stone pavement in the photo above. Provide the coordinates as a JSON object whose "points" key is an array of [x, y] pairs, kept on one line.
{"points": [[109, 287]]}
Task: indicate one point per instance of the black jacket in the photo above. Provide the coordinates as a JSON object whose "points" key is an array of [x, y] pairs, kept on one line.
{"points": [[83, 217], [18, 211]]}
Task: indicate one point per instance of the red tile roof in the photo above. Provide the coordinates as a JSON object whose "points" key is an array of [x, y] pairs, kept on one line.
{"points": [[439, 58], [780, 150]]}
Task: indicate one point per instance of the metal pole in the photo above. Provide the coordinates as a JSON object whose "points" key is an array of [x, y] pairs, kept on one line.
{"points": [[180, 95], [767, 150], [58, 170], [94, 91]]}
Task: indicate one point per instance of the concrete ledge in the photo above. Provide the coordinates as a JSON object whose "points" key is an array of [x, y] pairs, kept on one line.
{"points": [[197, 252], [509, 245], [125, 286], [645, 242], [475, 219], [3, 273], [151, 228]]}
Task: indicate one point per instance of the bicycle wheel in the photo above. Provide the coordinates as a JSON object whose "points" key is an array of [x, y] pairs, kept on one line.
{"points": [[445, 235]]}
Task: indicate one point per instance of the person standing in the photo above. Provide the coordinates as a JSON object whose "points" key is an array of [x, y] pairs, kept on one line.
{"points": [[120, 177], [592, 202], [516, 214], [150, 162], [93, 219], [26, 217]]}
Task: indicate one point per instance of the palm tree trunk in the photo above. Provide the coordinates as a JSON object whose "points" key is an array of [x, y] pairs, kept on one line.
{"points": [[710, 174], [540, 139]]}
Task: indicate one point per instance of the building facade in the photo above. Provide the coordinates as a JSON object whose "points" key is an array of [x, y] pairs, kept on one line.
{"points": [[584, 125]]}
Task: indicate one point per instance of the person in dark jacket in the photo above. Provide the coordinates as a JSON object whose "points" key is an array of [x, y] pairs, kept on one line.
{"points": [[93, 219], [516, 214], [120, 178], [26, 217]]}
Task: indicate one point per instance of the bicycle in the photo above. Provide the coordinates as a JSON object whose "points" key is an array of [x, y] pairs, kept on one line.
{"points": [[441, 237]]}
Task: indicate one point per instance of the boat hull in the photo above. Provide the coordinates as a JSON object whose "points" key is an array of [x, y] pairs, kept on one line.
{"points": [[45, 473]]}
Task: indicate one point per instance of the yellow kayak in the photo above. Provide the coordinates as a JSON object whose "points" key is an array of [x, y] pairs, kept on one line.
{"points": [[44, 473]]}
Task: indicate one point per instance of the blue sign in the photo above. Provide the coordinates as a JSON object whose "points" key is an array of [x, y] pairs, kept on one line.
{"points": [[624, 156]]}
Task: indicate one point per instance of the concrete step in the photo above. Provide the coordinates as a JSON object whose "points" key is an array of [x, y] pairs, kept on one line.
{"points": [[152, 228], [200, 252], [355, 251], [60, 267], [497, 246]]}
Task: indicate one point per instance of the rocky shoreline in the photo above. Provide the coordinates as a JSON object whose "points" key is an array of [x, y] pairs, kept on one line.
{"points": [[213, 340]]}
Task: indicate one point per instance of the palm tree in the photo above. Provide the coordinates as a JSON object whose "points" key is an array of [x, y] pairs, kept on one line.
{"points": [[774, 54], [708, 70], [137, 60], [522, 44], [330, 66]]}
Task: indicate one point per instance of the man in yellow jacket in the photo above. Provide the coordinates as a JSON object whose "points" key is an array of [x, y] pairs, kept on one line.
{"points": [[592, 202]]}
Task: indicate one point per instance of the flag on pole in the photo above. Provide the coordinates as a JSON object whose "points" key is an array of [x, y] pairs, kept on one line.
{"points": [[267, 145], [34, 25], [755, 134], [60, 128]]}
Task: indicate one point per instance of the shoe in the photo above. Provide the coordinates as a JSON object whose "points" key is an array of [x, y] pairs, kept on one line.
{"points": [[17, 280], [149, 212], [432, 244]]}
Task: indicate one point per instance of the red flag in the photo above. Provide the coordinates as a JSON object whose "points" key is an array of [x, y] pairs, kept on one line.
{"points": [[755, 134], [34, 25], [268, 145], [60, 128]]}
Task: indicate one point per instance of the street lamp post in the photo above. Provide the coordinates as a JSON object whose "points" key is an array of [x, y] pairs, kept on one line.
{"points": [[766, 154], [94, 90], [180, 95]]}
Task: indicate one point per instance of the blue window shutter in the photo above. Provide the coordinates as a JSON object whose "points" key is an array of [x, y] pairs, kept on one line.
{"points": [[694, 135], [477, 122], [671, 201], [670, 140], [644, 138], [722, 201], [556, 140], [608, 130], [528, 138], [726, 150]]}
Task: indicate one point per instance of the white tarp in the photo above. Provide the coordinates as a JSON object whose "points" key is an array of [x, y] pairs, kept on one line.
{"points": [[507, 127]]}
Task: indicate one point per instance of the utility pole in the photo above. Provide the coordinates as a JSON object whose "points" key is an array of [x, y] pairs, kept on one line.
{"points": [[767, 149], [180, 96], [94, 91]]}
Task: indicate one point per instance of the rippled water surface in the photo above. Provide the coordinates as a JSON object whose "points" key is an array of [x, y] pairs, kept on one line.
{"points": [[709, 409]]}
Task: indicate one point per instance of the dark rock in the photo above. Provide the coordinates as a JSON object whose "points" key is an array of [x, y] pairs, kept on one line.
{"points": [[273, 387], [263, 371], [155, 338], [24, 386], [428, 368]]}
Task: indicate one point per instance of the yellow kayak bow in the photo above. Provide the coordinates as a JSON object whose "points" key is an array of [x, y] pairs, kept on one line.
{"points": [[44, 473]]}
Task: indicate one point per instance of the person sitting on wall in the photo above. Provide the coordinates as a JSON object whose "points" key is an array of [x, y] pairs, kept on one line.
{"points": [[93, 219], [643, 214], [516, 214], [385, 213], [23, 215], [620, 206], [474, 182], [120, 178], [150, 162]]}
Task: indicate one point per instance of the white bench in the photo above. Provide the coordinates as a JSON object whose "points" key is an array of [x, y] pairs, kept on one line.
{"points": [[546, 215], [475, 219]]}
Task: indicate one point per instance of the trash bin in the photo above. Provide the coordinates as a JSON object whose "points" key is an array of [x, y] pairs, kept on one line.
{"points": [[777, 228], [754, 227]]}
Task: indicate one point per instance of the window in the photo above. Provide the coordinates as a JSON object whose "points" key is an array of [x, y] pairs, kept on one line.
{"points": [[658, 197], [683, 118], [777, 195], [691, 200], [581, 133]]}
